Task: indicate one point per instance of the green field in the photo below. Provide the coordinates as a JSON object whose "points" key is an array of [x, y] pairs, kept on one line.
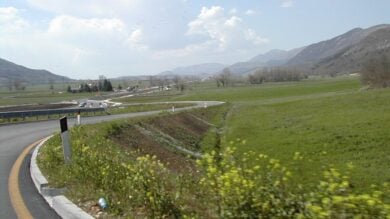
{"points": [[39, 94], [329, 121], [351, 128]]}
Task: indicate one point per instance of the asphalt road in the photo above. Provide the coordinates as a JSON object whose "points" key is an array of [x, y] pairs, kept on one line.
{"points": [[14, 138]]}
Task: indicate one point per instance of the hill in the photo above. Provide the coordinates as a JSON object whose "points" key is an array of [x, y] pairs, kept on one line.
{"points": [[199, 69], [10, 72], [275, 57], [341, 54], [351, 59]]}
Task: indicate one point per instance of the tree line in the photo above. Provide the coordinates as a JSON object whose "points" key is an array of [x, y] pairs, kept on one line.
{"points": [[226, 78], [275, 75], [102, 85], [16, 84]]}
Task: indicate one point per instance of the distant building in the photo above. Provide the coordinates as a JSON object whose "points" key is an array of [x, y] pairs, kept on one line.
{"points": [[75, 90]]}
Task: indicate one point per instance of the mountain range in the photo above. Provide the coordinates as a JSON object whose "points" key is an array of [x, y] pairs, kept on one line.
{"points": [[11, 72], [272, 58], [200, 69], [342, 54]]}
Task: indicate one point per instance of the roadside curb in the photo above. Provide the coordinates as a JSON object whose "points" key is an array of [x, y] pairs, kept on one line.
{"points": [[61, 205]]}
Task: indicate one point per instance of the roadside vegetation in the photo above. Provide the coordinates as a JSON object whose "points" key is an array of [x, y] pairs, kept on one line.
{"points": [[316, 148]]}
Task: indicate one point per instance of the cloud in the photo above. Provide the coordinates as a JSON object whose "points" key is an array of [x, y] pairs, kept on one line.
{"points": [[92, 34], [84, 38], [252, 36], [137, 40], [71, 45], [11, 21], [228, 31], [191, 49], [250, 12], [85, 7], [287, 3], [233, 21], [223, 34], [68, 25], [136, 36], [233, 11]]}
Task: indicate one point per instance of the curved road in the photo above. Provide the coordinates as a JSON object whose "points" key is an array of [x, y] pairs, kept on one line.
{"points": [[14, 138]]}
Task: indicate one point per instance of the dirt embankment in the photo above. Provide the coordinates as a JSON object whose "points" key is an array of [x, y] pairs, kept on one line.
{"points": [[162, 136]]}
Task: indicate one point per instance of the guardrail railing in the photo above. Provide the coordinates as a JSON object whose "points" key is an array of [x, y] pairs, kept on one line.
{"points": [[48, 112]]}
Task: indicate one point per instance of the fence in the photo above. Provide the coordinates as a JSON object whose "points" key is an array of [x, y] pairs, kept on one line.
{"points": [[37, 113]]}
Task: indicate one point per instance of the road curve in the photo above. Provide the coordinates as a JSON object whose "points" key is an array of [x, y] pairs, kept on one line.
{"points": [[15, 137]]}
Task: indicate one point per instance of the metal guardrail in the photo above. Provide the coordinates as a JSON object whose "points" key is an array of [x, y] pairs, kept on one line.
{"points": [[32, 113]]}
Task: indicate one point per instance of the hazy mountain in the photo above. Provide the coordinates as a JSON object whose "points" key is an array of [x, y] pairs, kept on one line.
{"points": [[132, 78], [341, 54], [271, 58], [200, 69], [11, 71], [241, 68], [276, 55], [317, 53]]}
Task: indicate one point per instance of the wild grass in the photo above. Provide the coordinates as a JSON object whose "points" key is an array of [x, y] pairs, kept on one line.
{"points": [[336, 130]]}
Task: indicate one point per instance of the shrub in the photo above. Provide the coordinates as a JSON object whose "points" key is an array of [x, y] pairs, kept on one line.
{"points": [[140, 183], [376, 72], [240, 190]]}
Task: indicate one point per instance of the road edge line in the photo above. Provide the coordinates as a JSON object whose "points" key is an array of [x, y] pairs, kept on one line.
{"points": [[59, 203], [15, 196]]}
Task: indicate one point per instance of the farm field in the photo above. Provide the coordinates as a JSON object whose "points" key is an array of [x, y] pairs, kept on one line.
{"points": [[39, 94]]}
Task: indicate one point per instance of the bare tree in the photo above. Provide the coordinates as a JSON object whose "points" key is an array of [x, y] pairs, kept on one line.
{"points": [[275, 75], [257, 77], [126, 84], [224, 79], [9, 84], [18, 84], [376, 72], [160, 83], [176, 81], [152, 81], [51, 82], [166, 81], [226, 76]]}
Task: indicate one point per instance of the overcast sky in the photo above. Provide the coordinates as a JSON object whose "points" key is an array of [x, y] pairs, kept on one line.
{"points": [[86, 38]]}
